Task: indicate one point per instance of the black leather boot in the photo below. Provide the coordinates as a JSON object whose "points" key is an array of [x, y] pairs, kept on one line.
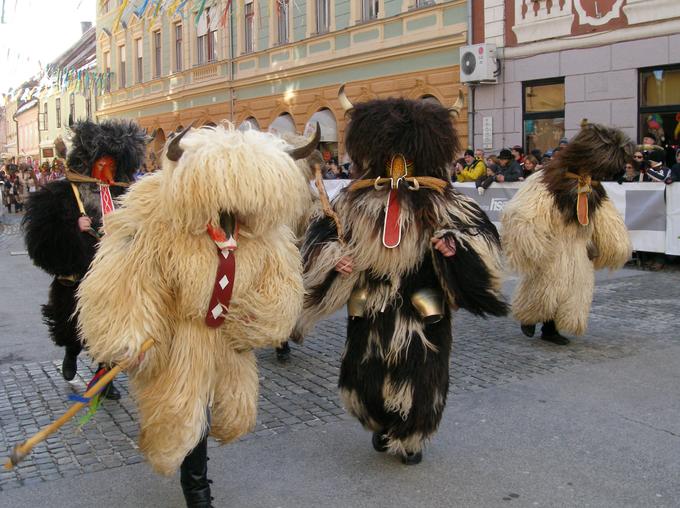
{"points": [[412, 458], [194, 477], [549, 333], [379, 442], [528, 330], [69, 366], [110, 391], [283, 352]]}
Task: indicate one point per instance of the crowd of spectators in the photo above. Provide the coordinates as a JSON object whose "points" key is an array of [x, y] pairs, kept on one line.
{"points": [[17, 181], [513, 165]]}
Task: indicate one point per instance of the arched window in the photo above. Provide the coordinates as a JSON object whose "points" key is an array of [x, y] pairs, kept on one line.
{"points": [[284, 123], [430, 98], [249, 123]]}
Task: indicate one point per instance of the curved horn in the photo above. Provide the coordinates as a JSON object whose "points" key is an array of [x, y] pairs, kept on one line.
{"points": [[301, 152], [148, 138], [174, 152], [454, 110], [346, 104]]}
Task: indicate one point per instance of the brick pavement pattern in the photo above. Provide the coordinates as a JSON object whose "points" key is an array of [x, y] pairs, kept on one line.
{"points": [[629, 314]]}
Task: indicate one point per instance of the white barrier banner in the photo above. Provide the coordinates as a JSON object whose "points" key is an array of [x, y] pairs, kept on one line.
{"points": [[651, 211], [673, 219], [640, 204]]}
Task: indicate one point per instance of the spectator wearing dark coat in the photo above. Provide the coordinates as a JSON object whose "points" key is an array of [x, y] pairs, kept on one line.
{"points": [[509, 170]]}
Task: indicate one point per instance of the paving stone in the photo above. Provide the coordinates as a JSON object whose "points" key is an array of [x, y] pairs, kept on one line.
{"points": [[629, 315]]}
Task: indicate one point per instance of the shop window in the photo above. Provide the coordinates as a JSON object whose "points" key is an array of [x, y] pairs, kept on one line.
{"points": [[660, 105], [543, 114]]}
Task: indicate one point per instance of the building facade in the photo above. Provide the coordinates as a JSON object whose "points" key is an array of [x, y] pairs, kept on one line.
{"points": [[615, 62], [277, 64], [10, 147], [28, 135]]}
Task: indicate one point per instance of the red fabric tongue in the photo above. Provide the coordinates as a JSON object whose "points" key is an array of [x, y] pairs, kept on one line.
{"points": [[224, 284], [582, 208], [392, 229]]}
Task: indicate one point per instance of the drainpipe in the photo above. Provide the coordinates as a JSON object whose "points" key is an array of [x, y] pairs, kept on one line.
{"points": [[471, 88]]}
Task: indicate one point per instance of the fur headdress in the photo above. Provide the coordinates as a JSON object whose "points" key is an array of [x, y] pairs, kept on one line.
{"points": [[123, 140], [252, 174], [596, 150], [421, 131], [597, 153]]}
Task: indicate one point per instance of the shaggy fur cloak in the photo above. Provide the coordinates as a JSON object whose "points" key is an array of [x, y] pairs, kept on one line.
{"points": [[161, 264], [544, 242], [394, 375], [50, 224]]}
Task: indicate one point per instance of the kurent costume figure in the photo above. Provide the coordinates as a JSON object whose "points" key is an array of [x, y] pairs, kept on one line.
{"points": [[406, 248], [200, 258], [63, 220], [309, 167], [560, 227]]}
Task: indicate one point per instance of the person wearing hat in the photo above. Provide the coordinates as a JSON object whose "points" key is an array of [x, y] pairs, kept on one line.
{"points": [[649, 139], [518, 153], [474, 168], [657, 171], [509, 170]]}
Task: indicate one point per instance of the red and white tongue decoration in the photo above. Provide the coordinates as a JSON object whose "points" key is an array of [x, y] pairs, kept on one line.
{"points": [[226, 273], [105, 200], [392, 228]]}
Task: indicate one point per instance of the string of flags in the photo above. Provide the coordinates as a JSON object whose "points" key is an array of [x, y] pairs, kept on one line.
{"points": [[152, 9], [75, 80]]}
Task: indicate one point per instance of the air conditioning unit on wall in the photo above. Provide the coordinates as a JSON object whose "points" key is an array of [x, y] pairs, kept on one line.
{"points": [[478, 64]]}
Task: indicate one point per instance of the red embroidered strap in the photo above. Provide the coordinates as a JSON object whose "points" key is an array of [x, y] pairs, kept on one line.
{"points": [[224, 280], [392, 228], [106, 200]]}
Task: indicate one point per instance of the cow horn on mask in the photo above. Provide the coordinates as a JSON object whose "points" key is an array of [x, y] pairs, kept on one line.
{"points": [[346, 104], [174, 151], [455, 110], [149, 138], [301, 152]]}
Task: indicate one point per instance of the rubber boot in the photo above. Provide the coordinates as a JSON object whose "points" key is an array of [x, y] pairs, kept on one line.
{"points": [[194, 477]]}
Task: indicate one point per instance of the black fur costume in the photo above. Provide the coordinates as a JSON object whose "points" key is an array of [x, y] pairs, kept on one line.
{"points": [[394, 375], [53, 239]]}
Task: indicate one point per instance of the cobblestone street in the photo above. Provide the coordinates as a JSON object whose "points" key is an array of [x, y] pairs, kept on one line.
{"points": [[631, 313]]}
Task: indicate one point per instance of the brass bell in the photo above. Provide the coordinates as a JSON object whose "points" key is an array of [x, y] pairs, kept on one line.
{"points": [[429, 303], [356, 306]]}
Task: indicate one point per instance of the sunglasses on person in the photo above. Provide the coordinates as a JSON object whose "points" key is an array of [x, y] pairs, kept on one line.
{"points": [[638, 157]]}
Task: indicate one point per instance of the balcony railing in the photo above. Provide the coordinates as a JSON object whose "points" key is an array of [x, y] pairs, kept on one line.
{"points": [[205, 72], [537, 20]]}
